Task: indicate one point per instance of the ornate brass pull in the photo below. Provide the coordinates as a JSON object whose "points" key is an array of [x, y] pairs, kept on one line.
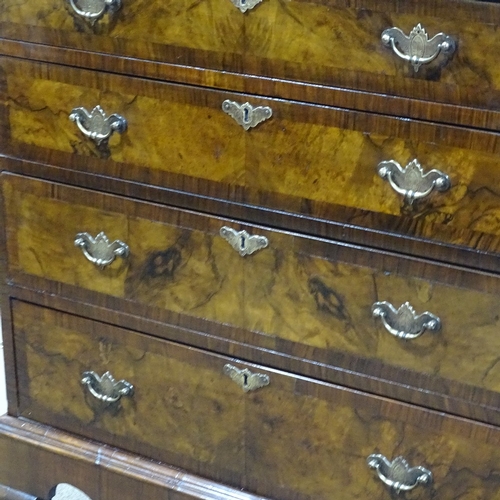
{"points": [[96, 125], [65, 491], [93, 10], [247, 380], [404, 323], [245, 5], [100, 251], [411, 181], [245, 114], [105, 388], [242, 242], [417, 48], [398, 475]]}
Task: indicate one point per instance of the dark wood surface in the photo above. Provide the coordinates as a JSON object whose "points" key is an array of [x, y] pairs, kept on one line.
{"points": [[334, 43], [295, 437], [39, 457], [307, 159]]}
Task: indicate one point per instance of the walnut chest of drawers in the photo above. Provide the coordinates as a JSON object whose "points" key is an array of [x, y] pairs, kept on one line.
{"points": [[250, 249]]}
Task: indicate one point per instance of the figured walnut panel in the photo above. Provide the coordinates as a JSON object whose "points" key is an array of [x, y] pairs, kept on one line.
{"points": [[182, 267], [175, 388], [170, 128], [335, 42], [323, 299], [317, 160], [203, 33], [308, 293], [295, 437], [328, 43]]}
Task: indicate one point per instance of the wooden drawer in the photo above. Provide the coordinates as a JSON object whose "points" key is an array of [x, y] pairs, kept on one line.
{"points": [[305, 297], [312, 160], [335, 43], [174, 32], [177, 262], [294, 438]]}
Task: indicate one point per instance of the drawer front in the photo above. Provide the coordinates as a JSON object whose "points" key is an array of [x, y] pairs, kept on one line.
{"points": [[176, 32], [170, 128], [340, 43], [291, 438], [313, 160], [331, 42], [296, 292], [165, 414], [176, 262]]}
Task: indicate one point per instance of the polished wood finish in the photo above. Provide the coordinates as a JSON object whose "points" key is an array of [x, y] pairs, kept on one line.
{"points": [[41, 457], [336, 42], [342, 368], [296, 437], [183, 267], [184, 411], [201, 35], [314, 295], [169, 317], [171, 128], [328, 95], [301, 160], [300, 223]]}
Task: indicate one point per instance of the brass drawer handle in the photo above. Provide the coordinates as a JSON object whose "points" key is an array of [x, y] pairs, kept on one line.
{"points": [[416, 47], [96, 125], [398, 475], [105, 388], [242, 242], [245, 114], [411, 181], [99, 250], [245, 5], [404, 323], [247, 380], [95, 8]]}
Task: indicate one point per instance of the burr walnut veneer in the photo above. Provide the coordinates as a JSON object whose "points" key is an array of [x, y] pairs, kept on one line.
{"points": [[250, 250], [305, 159]]}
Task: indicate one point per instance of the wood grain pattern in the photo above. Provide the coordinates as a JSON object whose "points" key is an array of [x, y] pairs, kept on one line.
{"points": [[183, 269], [327, 94], [182, 194], [305, 159], [184, 304], [347, 370], [203, 30], [330, 43], [175, 388], [305, 291], [342, 45], [170, 128], [41, 457], [295, 437]]}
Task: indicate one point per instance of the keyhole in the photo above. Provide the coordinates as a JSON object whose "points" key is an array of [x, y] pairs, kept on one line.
{"points": [[245, 379], [246, 113], [243, 2], [242, 242]]}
